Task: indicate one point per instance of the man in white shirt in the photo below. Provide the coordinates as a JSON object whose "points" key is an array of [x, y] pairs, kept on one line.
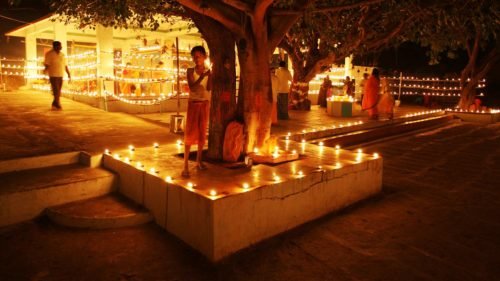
{"points": [[283, 76], [55, 65]]}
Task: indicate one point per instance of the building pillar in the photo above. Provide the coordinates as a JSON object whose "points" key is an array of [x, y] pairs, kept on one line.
{"points": [[347, 66], [31, 62], [104, 36], [60, 34]]}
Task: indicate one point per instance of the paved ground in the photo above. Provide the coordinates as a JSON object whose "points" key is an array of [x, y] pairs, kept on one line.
{"points": [[436, 219], [30, 128]]}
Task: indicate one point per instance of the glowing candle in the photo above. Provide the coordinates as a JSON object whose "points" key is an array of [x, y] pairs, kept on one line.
{"points": [[116, 156], [375, 155], [190, 185], [131, 147], [156, 145], [213, 192], [106, 151], [300, 173], [321, 143], [168, 179], [245, 185]]}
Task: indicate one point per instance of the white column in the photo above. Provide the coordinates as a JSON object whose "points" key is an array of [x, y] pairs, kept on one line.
{"points": [[60, 34], [347, 67], [31, 63], [104, 36]]}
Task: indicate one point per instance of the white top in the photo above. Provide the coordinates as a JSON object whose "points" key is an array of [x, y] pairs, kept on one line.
{"points": [[274, 87], [199, 92], [56, 63], [284, 76]]}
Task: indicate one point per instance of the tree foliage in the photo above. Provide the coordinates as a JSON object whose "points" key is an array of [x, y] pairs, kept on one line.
{"points": [[319, 39], [452, 25]]}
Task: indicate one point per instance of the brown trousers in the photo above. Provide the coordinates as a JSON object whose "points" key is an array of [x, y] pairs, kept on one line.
{"points": [[56, 84]]}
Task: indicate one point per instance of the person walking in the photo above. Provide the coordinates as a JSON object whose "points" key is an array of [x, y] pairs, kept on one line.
{"points": [[199, 81], [283, 76], [55, 65], [371, 92]]}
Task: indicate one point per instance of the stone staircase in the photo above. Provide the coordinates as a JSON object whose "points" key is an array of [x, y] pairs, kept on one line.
{"points": [[25, 194], [109, 211]]}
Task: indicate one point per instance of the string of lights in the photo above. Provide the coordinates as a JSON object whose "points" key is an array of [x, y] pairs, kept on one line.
{"points": [[151, 99]]}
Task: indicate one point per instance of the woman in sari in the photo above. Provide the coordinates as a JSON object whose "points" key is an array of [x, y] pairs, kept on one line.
{"points": [[370, 99]]}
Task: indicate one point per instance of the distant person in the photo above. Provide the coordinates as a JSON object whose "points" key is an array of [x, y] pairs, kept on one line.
{"points": [[158, 73], [324, 90], [362, 85], [199, 81], [55, 65], [348, 87], [371, 92], [274, 89], [386, 100], [284, 76]]}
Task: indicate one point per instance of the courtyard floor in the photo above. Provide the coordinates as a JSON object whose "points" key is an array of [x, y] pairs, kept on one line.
{"points": [[436, 218]]}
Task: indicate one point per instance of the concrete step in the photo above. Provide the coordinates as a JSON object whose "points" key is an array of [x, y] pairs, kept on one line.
{"points": [[110, 211], [392, 129], [25, 194]]}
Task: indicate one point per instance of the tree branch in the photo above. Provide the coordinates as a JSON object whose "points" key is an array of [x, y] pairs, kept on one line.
{"points": [[396, 31], [294, 53], [239, 5], [261, 7], [316, 68], [279, 26], [215, 14], [281, 12]]}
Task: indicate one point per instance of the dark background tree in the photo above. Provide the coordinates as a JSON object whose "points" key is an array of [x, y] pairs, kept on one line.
{"points": [[320, 39], [450, 26]]}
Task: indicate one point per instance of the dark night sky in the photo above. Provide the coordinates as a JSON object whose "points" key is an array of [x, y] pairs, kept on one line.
{"points": [[27, 10], [408, 58]]}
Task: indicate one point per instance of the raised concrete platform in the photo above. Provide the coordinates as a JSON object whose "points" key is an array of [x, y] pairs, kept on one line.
{"points": [[476, 117], [110, 211], [25, 194], [220, 211]]}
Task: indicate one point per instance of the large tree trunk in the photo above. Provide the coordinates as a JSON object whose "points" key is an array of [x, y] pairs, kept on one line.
{"points": [[474, 72], [467, 94], [299, 93], [255, 92], [222, 111]]}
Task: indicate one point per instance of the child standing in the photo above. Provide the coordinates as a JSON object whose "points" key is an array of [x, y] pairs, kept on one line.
{"points": [[199, 81]]}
